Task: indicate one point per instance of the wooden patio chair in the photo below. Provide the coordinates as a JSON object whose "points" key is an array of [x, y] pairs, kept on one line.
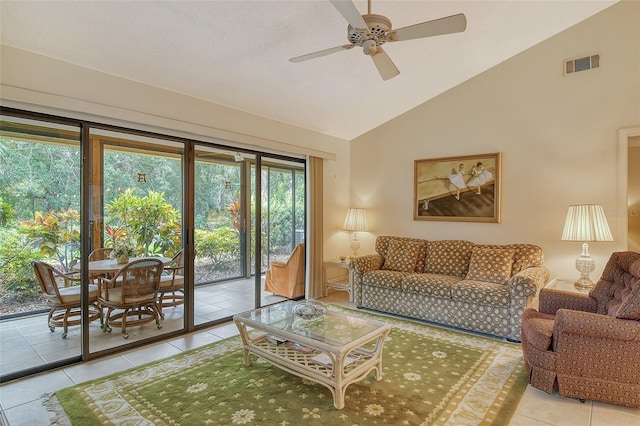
{"points": [[99, 254], [64, 298], [132, 292], [171, 292]]}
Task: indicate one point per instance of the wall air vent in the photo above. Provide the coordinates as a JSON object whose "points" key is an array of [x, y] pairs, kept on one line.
{"points": [[572, 66]]}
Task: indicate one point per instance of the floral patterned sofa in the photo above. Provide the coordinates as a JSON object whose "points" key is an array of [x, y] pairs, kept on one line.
{"points": [[483, 288]]}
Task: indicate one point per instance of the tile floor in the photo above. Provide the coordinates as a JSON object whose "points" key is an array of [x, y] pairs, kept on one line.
{"points": [[21, 401]]}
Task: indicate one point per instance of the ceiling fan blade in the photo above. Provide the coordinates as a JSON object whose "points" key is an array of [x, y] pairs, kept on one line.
{"points": [[385, 65], [321, 53], [448, 25], [348, 10]]}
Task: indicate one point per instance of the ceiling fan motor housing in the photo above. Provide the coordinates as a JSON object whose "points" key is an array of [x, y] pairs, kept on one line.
{"points": [[378, 26]]}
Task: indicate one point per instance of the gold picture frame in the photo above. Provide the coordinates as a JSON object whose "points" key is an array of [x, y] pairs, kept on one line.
{"points": [[458, 189]]}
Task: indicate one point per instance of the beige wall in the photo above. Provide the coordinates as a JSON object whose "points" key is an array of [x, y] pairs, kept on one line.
{"points": [[37, 83], [633, 194], [557, 134]]}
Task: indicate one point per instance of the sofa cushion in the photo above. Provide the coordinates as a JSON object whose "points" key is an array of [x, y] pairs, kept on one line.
{"points": [[491, 265], [448, 257], [382, 278], [525, 255], [383, 243], [402, 255], [433, 284], [481, 292]]}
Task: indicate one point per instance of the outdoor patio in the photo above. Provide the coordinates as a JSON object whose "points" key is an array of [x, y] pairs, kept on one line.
{"points": [[26, 341]]}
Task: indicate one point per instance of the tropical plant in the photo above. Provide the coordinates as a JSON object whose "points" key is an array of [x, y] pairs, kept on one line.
{"points": [[6, 212], [150, 224], [57, 234], [234, 211], [16, 272], [221, 245], [119, 241]]}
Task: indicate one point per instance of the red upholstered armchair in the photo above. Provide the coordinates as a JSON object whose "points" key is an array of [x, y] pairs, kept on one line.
{"points": [[588, 346]]}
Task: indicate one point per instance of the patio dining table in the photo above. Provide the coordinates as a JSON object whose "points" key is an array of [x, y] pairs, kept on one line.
{"points": [[111, 266]]}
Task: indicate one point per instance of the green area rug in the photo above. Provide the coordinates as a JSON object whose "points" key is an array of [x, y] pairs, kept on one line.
{"points": [[432, 376]]}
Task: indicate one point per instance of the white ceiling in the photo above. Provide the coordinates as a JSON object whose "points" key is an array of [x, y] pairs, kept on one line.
{"points": [[235, 53]]}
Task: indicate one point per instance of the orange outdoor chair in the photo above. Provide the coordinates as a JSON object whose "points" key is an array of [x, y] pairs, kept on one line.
{"points": [[64, 297], [287, 279]]}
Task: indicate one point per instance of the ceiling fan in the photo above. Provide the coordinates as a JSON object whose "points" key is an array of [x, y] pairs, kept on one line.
{"points": [[371, 31]]}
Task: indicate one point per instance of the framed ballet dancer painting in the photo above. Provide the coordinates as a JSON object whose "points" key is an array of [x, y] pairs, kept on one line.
{"points": [[464, 189]]}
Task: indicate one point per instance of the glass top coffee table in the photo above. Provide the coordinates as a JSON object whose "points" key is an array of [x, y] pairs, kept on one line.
{"points": [[334, 349]]}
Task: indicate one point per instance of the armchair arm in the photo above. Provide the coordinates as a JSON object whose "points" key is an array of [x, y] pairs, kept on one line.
{"points": [[598, 349], [589, 324], [69, 278], [552, 300]]}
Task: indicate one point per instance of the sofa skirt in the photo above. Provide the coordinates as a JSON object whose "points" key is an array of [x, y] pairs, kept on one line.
{"points": [[488, 319]]}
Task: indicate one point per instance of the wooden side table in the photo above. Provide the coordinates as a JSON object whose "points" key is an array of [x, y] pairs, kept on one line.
{"points": [[564, 284], [341, 282]]}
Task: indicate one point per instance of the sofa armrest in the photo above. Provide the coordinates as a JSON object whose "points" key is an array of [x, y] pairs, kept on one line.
{"points": [[359, 266], [589, 324], [366, 263], [527, 282], [551, 300]]}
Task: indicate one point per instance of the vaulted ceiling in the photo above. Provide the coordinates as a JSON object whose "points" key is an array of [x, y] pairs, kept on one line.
{"points": [[236, 53]]}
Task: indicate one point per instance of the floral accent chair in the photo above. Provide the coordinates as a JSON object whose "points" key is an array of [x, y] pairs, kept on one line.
{"points": [[588, 346]]}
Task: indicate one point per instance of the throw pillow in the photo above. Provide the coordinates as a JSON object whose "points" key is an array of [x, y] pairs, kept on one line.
{"points": [[402, 256], [490, 265]]}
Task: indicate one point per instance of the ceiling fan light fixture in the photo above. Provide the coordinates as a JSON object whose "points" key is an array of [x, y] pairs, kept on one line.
{"points": [[370, 47]]}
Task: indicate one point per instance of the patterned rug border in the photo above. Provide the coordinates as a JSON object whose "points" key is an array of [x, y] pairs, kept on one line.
{"points": [[508, 355]]}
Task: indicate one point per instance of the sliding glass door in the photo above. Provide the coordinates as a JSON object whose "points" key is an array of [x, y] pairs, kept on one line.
{"points": [[136, 194], [84, 200], [222, 285], [40, 169]]}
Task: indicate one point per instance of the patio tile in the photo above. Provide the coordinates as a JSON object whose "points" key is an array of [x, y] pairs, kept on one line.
{"points": [[13, 342], [18, 354]]}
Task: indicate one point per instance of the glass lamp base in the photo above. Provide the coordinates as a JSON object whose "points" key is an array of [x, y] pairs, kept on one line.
{"points": [[585, 265], [583, 285]]}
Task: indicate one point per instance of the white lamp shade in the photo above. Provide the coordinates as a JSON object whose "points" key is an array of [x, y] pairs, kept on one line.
{"points": [[356, 220], [586, 222]]}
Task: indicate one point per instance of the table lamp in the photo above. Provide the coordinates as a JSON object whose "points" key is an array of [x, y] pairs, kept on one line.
{"points": [[355, 221], [586, 222]]}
